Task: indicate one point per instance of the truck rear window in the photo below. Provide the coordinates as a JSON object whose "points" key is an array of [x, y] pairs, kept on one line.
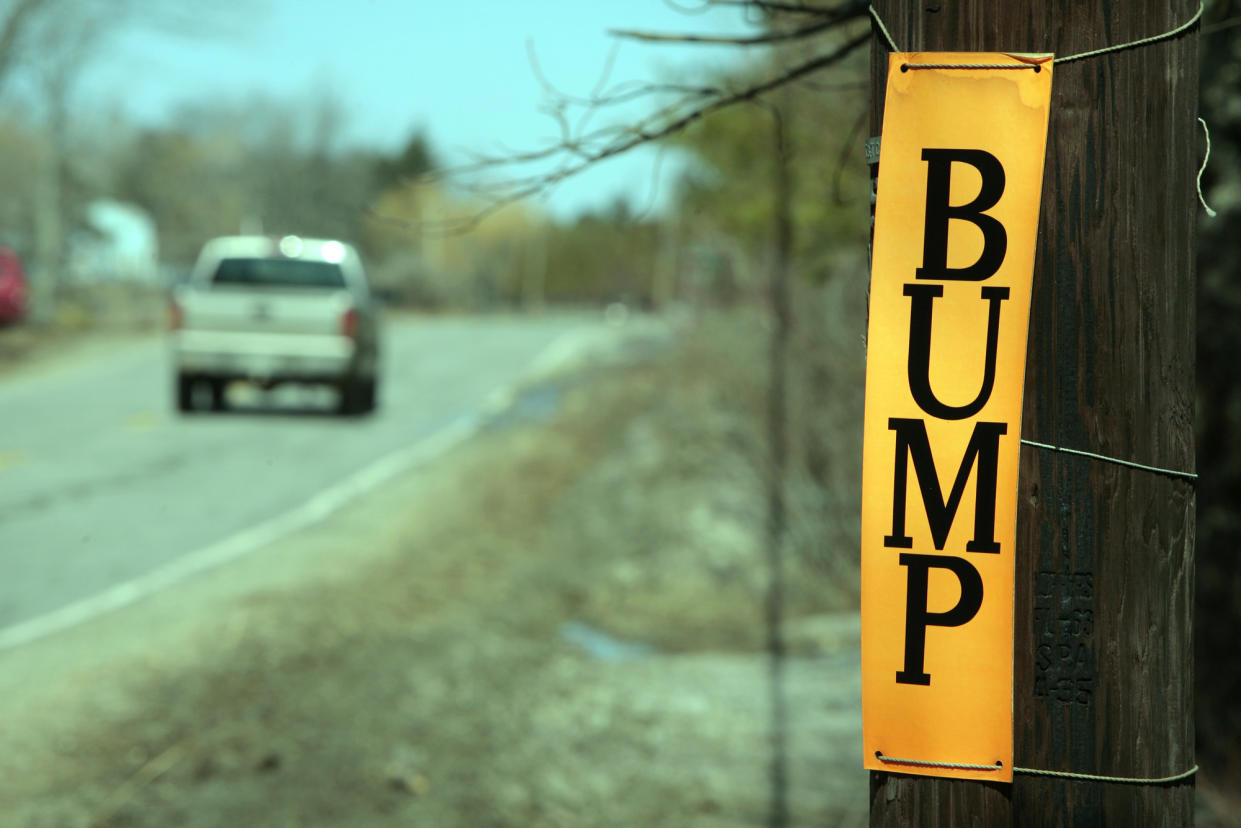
{"points": [[279, 273]]}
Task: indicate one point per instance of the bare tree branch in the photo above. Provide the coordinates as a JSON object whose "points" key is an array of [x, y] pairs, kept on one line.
{"points": [[756, 40], [577, 148], [847, 86], [602, 96], [622, 95], [834, 18], [577, 154], [684, 9], [773, 6]]}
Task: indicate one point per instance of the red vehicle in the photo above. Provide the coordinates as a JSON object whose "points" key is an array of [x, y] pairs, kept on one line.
{"points": [[12, 288]]}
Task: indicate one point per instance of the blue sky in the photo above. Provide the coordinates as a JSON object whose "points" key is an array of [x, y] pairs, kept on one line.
{"points": [[459, 69]]}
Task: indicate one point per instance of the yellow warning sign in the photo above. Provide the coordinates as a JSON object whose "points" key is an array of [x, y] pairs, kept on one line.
{"points": [[956, 218]]}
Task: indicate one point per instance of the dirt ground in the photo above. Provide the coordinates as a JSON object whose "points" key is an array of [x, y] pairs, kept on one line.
{"points": [[559, 623]]}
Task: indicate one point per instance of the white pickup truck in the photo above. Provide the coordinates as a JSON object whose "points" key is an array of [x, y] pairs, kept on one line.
{"points": [[275, 310]]}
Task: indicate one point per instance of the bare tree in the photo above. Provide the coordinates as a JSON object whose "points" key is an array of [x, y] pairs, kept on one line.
{"points": [[59, 51]]}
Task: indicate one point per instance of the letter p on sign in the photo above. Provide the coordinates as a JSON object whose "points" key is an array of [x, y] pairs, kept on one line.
{"points": [[960, 178]]}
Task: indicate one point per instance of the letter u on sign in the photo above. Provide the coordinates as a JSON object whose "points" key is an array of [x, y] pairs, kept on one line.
{"points": [[960, 177]]}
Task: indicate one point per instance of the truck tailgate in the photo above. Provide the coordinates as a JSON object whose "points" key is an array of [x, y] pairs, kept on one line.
{"points": [[249, 311]]}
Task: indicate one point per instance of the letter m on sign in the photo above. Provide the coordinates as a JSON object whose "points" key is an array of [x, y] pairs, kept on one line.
{"points": [[912, 444]]}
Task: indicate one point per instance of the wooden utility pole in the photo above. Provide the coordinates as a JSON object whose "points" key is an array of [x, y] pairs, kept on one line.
{"points": [[1105, 555]]}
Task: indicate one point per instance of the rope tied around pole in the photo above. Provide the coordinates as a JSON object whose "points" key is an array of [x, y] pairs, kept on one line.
{"points": [[1203, 168], [905, 67], [1119, 780], [923, 763], [1182, 475], [1091, 777], [1118, 47]]}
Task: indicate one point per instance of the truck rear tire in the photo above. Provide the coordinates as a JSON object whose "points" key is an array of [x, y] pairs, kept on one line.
{"points": [[185, 393], [347, 398], [366, 395], [357, 396], [219, 395]]}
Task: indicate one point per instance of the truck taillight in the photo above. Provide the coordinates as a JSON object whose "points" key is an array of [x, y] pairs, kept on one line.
{"points": [[176, 317], [349, 323]]}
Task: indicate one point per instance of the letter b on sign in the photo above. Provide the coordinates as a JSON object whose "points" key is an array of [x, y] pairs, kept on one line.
{"points": [[939, 212]]}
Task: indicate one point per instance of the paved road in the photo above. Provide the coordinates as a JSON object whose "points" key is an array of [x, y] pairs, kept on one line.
{"points": [[101, 482]]}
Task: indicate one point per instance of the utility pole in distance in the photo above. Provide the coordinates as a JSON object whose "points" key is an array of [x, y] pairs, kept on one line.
{"points": [[1103, 673]]}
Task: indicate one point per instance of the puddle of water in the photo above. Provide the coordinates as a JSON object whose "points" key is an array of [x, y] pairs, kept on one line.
{"points": [[601, 646]]}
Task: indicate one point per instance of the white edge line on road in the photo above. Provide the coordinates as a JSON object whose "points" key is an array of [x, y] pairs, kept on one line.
{"points": [[312, 511], [248, 540]]}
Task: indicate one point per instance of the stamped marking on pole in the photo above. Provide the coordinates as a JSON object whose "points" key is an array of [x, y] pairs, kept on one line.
{"points": [[960, 177]]}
